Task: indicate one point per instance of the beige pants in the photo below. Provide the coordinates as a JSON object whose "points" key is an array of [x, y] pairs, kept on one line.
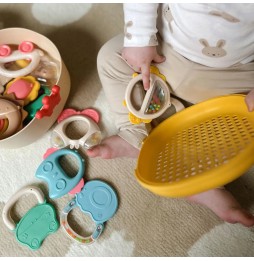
{"points": [[189, 81]]}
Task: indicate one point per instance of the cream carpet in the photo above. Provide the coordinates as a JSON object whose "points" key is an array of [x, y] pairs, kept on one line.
{"points": [[144, 224]]}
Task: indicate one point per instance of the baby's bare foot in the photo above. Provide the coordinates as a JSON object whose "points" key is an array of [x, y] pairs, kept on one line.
{"points": [[113, 147], [224, 205]]}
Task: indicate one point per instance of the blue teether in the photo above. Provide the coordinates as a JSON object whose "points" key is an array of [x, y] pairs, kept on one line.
{"points": [[96, 199], [58, 181]]}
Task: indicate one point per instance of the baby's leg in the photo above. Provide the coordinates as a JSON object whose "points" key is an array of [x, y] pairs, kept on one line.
{"points": [[224, 205], [113, 147], [115, 75]]}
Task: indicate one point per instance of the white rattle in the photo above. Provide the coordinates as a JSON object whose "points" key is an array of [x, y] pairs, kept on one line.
{"points": [[156, 99], [26, 51], [91, 138]]}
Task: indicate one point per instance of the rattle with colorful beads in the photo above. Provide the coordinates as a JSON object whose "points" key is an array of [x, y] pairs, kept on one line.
{"points": [[156, 100]]}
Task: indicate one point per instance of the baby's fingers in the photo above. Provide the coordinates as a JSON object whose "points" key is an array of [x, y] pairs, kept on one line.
{"points": [[159, 58], [145, 70]]}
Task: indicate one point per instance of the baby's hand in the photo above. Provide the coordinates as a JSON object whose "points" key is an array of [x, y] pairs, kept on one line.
{"points": [[140, 59], [249, 99]]}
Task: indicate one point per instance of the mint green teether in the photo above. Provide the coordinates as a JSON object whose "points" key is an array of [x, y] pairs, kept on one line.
{"points": [[38, 222]]}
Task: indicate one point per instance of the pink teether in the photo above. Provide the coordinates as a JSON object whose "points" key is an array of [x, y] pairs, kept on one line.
{"points": [[20, 88], [48, 152], [26, 47], [24, 88], [78, 188], [91, 113], [5, 50]]}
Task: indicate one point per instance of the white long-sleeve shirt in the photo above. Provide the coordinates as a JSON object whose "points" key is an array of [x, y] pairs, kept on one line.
{"points": [[215, 35]]}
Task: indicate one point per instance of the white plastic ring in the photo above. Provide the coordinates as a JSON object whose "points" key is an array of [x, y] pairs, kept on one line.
{"points": [[61, 128], [34, 57], [7, 208]]}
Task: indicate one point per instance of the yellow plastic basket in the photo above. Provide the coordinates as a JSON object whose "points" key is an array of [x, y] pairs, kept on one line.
{"points": [[202, 147]]}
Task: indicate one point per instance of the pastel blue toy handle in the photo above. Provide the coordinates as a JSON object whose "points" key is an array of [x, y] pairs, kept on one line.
{"points": [[80, 239], [58, 181], [63, 152]]}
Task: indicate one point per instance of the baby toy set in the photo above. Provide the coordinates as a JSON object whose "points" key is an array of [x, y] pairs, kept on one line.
{"points": [[94, 198], [34, 86]]}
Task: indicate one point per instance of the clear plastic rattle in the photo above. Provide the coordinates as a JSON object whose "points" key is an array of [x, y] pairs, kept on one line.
{"points": [[156, 100]]}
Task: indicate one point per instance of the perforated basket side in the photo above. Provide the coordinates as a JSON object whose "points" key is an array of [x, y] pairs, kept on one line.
{"points": [[208, 152]]}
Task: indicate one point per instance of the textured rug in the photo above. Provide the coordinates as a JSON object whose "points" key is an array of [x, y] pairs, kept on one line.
{"points": [[144, 224]]}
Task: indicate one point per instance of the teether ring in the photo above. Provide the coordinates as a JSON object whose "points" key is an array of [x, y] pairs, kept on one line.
{"points": [[59, 182], [37, 223], [99, 201], [91, 113], [34, 57], [91, 138], [156, 99]]}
